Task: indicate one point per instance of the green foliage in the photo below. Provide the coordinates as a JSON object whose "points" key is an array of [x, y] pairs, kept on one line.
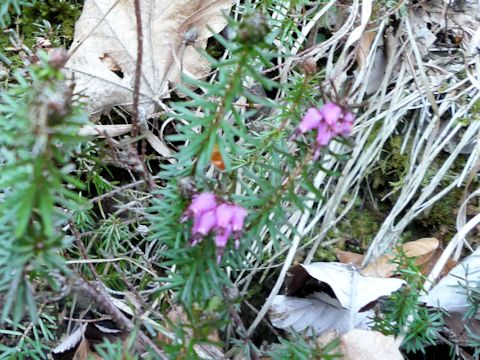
{"points": [[300, 348], [115, 350], [36, 20], [9, 7], [402, 310], [39, 121]]}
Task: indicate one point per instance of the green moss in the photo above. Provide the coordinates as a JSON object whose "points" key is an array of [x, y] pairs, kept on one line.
{"points": [[392, 166], [325, 254], [361, 225], [63, 13], [59, 13], [439, 220]]}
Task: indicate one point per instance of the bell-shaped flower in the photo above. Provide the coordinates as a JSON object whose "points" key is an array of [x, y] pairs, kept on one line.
{"points": [[225, 214], [239, 216], [324, 135], [310, 121], [204, 223], [331, 113], [201, 203], [347, 124], [221, 240]]}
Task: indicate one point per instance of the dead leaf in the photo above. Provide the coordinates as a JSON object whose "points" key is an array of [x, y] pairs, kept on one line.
{"points": [[177, 316], [348, 257], [316, 312], [326, 296], [103, 54], [363, 48], [84, 353], [427, 261], [450, 293], [352, 289], [361, 344], [71, 341], [457, 325], [383, 266], [77, 345]]}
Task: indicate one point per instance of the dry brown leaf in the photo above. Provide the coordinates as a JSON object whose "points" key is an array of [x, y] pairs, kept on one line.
{"points": [[427, 261], [457, 325], [383, 267], [363, 48], [348, 257], [103, 54], [83, 352], [361, 344]]}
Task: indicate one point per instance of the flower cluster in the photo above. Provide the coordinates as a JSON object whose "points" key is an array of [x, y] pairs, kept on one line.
{"points": [[330, 120], [209, 215]]}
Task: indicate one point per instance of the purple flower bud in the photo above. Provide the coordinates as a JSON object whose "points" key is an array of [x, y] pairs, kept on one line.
{"points": [[201, 203], [347, 124], [204, 223], [331, 113], [324, 135], [225, 213], [222, 236], [310, 121], [221, 240], [239, 216]]}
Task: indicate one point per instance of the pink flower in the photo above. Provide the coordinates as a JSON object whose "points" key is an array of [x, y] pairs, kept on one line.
{"points": [[324, 135], [201, 203], [204, 223], [239, 216], [224, 219], [310, 121], [330, 120], [331, 113], [225, 213], [347, 124], [221, 240]]}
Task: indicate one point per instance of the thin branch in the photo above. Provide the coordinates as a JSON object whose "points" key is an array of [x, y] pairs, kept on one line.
{"points": [[138, 69]]}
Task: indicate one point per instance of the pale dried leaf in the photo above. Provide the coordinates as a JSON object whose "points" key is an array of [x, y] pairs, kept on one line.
{"points": [[361, 344], [299, 314], [352, 289], [71, 340], [103, 54], [450, 293]]}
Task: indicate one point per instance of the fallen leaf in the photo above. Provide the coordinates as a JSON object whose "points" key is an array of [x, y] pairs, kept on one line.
{"points": [[76, 346], [326, 296], [361, 344], [457, 325], [177, 316], [427, 261], [450, 293], [348, 257], [352, 289], [315, 312], [104, 50], [71, 341], [363, 48], [383, 266], [84, 353]]}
